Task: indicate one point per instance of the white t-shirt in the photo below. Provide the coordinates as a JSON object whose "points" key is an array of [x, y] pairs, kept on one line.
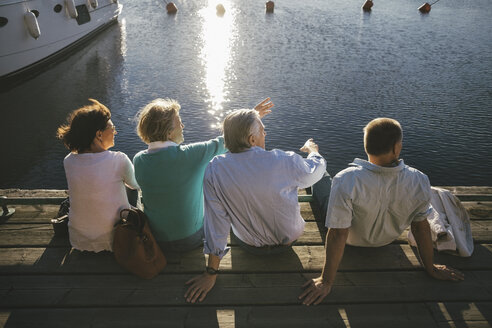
{"points": [[96, 187], [377, 203]]}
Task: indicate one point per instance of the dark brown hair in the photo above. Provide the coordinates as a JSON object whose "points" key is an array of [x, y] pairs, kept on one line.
{"points": [[82, 125], [381, 135]]}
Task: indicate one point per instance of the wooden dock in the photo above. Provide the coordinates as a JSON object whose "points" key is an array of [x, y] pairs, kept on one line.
{"points": [[45, 284]]}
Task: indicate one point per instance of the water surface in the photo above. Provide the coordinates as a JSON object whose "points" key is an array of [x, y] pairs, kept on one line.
{"points": [[328, 67]]}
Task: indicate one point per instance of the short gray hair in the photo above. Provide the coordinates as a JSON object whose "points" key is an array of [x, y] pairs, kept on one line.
{"points": [[238, 126], [156, 119]]}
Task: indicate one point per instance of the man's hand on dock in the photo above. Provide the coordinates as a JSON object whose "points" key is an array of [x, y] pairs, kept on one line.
{"points": [[316, 290], [443, 272], [200, 286]]}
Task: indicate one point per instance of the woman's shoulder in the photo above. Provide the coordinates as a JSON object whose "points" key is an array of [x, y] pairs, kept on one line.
{"points": [[116, 155]]}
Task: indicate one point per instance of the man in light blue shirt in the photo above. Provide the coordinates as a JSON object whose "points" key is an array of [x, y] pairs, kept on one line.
{"points": [[254, 192], [372, 202]]}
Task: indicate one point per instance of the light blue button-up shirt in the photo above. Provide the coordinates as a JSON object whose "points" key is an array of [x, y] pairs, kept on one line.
{"points": [[255, 193], [377, 203]]}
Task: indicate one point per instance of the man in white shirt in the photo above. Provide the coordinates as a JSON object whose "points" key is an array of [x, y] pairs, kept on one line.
{"points": [[254, 192], [372, 202]]}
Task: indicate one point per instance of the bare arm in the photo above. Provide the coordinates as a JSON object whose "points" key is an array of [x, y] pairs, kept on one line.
{"points": [[202, 284], [317, 289], [422, 234]]}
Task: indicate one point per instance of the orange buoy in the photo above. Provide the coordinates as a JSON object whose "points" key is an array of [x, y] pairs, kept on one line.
{"points": [[171, 8], [220, 9], [367, 5], [269, 6], [425, 8]]}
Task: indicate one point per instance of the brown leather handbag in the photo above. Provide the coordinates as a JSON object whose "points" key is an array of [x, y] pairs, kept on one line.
{"points": [[134, 246]]}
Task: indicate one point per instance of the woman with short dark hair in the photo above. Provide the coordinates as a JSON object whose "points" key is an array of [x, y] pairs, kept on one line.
{"points": [[96, 177]]}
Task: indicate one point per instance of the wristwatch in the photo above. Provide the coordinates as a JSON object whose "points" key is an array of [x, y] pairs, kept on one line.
{"points": [[211, 271]]}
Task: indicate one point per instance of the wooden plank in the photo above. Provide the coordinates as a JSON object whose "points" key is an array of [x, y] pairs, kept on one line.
{"points": [[31, 201], [481, 232], [300, 259], [237, 289], [63, 193], [343, 315], [43, 213], [469, 189], [479, 210], [458, 313], [33, 193], [37, 235], [9, 201], [40, 214], [42, 235]]}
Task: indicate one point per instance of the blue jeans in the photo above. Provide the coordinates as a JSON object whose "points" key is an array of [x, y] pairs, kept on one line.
{"points": [[265, 250], [321, 194], [182, 245]]}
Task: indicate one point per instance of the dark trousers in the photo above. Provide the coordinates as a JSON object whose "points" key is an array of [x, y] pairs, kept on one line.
{"points": [[321, 194]]}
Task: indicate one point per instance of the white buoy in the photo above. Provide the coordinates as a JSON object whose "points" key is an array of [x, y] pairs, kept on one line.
{"points": [[93, 3], [72, 11], [32, 24]]}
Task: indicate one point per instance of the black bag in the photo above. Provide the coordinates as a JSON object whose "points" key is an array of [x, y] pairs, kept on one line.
{"points": [[60, 222]]}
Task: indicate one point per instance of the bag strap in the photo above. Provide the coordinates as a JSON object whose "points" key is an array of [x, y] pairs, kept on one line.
{"points": [[134, 218]]}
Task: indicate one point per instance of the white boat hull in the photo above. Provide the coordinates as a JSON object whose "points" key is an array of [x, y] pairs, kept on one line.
{"points": [[20, 50]]}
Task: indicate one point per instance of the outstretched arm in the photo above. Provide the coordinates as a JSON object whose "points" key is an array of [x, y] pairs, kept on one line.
{"points": [[263, 108], [317, 289], [422, 234]]}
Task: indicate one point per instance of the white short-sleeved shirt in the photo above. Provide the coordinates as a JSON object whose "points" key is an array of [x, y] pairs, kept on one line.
{"points": [[377, 203], [96, 187]]}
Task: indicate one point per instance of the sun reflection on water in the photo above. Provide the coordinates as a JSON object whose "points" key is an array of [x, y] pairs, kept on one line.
{"points": [[218, 34]]}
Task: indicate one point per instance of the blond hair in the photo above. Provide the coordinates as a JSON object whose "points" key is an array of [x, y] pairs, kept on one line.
{"points": [[156, 119]]}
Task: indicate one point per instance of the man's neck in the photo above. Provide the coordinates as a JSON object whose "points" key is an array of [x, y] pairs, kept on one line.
{"points": [[386, 160]]}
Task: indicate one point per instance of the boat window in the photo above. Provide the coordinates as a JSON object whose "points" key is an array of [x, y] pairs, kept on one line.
{"points": [[57, 8], [83, 16], [3, 21], [35, 12]]}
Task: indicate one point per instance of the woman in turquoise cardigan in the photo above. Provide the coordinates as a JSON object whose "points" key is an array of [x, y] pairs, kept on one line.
{"points": [[170, 174]]}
